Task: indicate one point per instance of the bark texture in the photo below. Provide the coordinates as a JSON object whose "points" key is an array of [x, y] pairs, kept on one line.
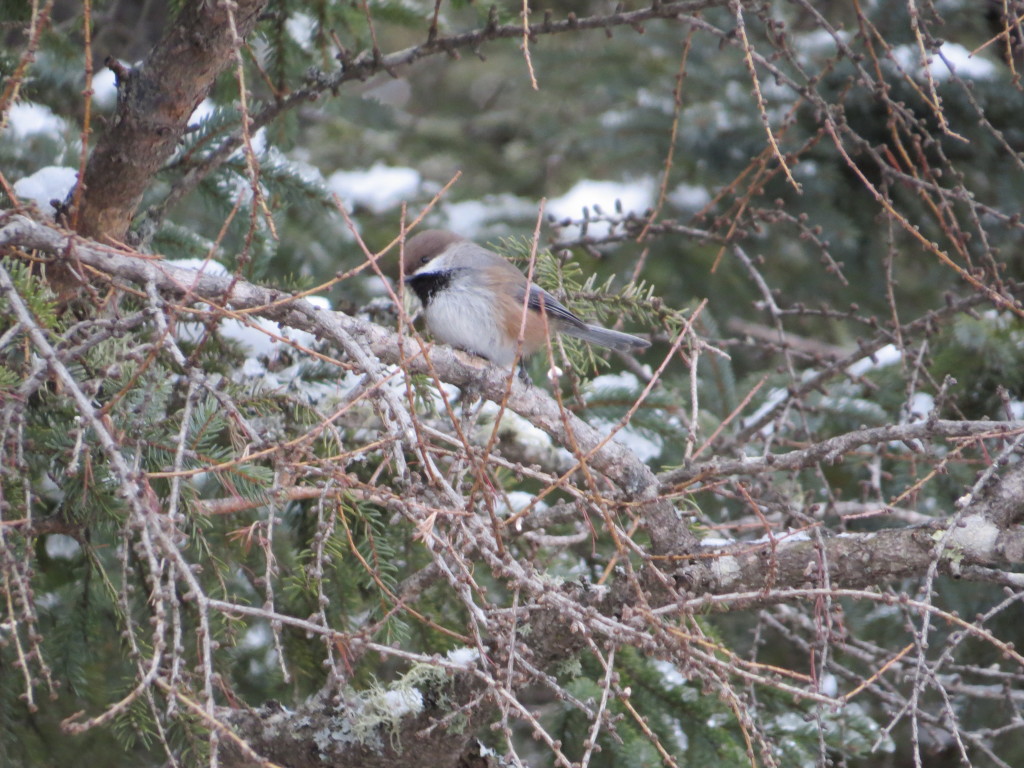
{"points": [[154, 105]]}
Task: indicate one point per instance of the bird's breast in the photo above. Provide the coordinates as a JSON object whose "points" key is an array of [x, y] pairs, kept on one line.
{"points": [[465, 317]]}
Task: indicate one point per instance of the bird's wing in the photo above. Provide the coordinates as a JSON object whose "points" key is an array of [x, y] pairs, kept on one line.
{"points": [[542, 301], [515, 283]]}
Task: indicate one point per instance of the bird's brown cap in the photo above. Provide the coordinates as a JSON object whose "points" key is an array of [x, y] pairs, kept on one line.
{"points": [[424, 246]]}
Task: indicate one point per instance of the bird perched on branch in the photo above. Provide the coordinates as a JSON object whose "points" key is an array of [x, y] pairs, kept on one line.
{"points": [[473, 299]]}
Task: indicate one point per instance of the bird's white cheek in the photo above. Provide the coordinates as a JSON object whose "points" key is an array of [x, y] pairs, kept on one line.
{"points": [[465, 319]]}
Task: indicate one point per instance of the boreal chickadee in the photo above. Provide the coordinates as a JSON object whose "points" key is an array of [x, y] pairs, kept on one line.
{"points": [[473, 299]]}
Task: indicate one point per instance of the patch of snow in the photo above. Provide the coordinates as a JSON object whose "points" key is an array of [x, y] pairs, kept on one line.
{"points": [[908, 57], [670, 674], [463, 657], [401, 702], [615, 118], [886, 356], [636, 196], [201, 112], [473, 218], [787, 536], [206, 266], [962, 63], [828, 685], [773, 398], [53, 182], [61, 547], [104, 88], [520, 500], [300, 27], [27, 119], [379, 188], [655, 100], [645, 446], [716, 542], [257, 636], [519, 429], [820, 41], [921, 404], [689, 197], [261, 338], [612, 382]]}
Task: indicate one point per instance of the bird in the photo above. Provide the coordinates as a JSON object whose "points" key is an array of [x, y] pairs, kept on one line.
{"points": [[473, 299]]}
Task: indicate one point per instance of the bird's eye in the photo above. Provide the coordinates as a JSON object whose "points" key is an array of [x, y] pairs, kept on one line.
{"points": [[424, 260]]}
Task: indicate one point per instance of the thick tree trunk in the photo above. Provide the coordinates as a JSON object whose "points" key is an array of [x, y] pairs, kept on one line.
{"points": [[153, 110]]}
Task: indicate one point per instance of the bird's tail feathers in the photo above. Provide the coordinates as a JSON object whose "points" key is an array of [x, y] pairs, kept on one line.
{"points": [[604, 337]]}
